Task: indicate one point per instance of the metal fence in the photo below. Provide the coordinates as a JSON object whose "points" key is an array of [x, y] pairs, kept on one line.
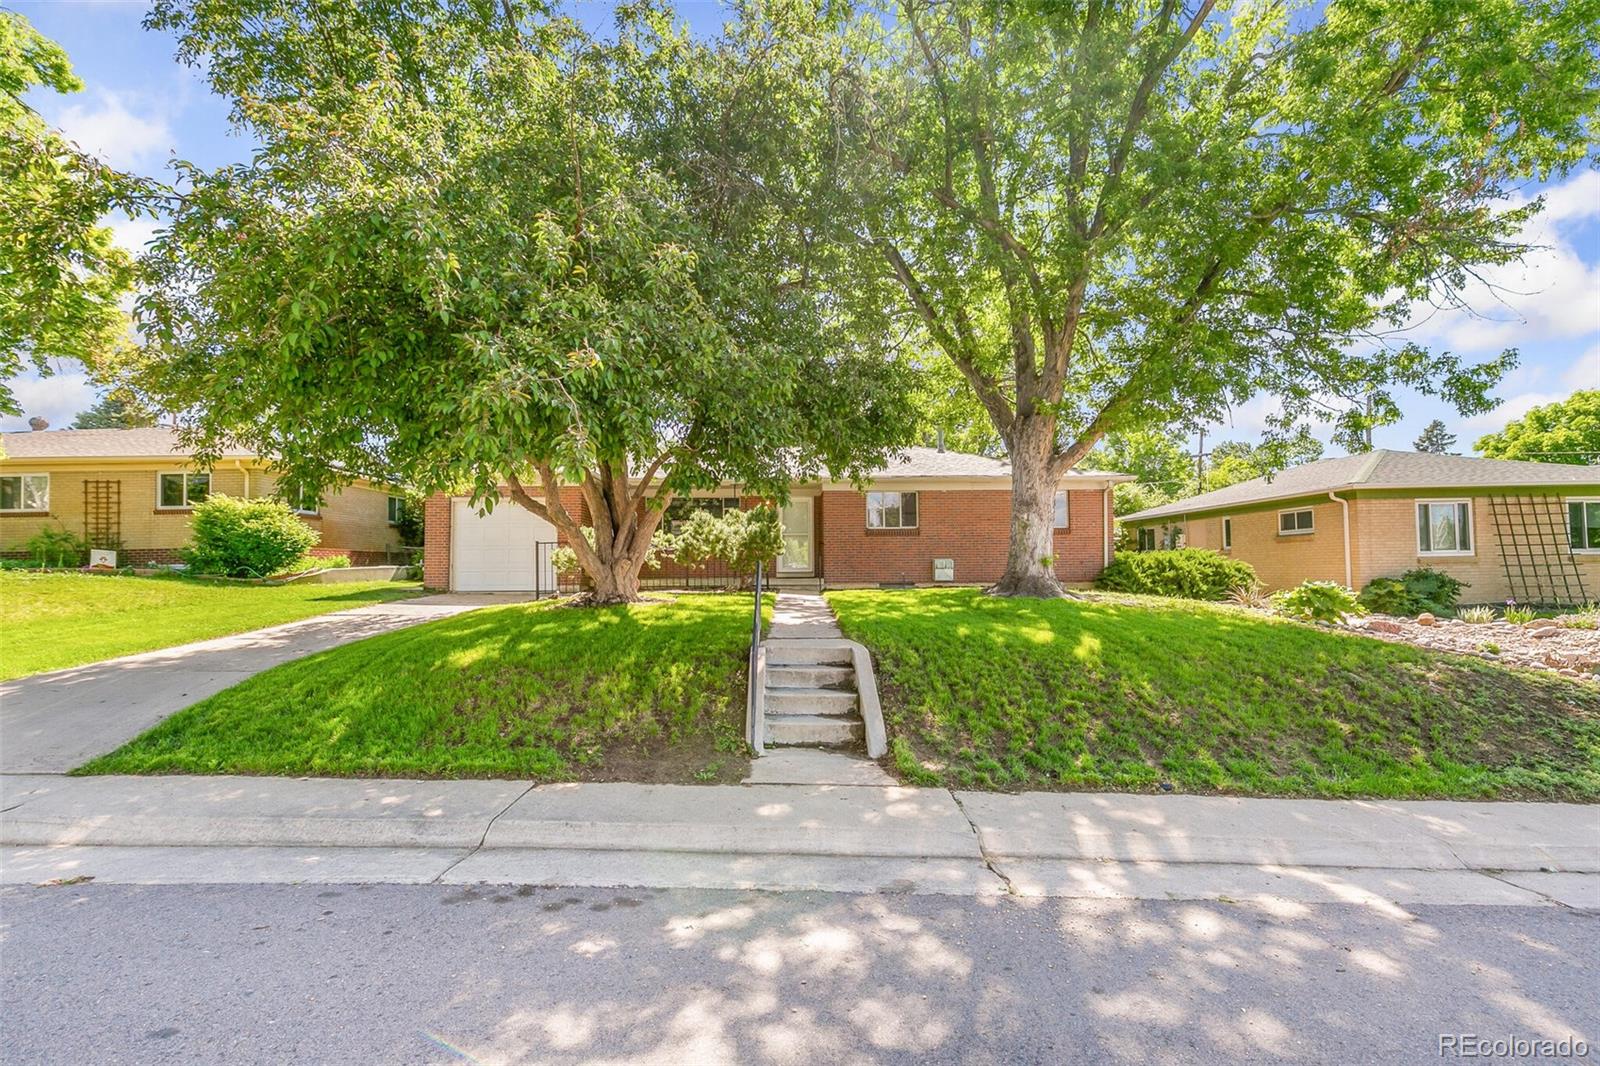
{"points": [[708, 577]]}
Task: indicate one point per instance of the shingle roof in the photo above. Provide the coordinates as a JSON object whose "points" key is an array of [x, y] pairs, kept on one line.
{"points": [[932, 463], [1381, 469], [154, 442]]}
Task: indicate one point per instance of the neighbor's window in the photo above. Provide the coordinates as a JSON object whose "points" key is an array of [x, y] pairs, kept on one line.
{"points": [[891, 510], [1061, 510], [679, 510], [1227, 534], [1444, 527], [25, 492], [1292, 522], [1147, 539], [183, 490], [1583, 524], [397, 509]]}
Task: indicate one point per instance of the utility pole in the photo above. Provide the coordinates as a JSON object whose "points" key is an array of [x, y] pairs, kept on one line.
{"points": [[1200, 462]]}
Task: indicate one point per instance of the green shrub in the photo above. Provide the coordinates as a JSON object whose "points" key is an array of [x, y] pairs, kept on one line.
{"points": [[314, 562], [1318, 601], [1415, 591], [246, 538], [1480, 615], [1519, 615], [1190, 573], [741, 539], [57, 547]]}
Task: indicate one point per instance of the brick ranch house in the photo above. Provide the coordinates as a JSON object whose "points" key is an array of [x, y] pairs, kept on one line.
{"points": [[929, 517], [1511, 530], [135, 488]]}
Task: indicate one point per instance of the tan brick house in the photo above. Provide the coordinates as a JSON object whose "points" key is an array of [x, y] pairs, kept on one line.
{"points": [[929, 517], [1511, 530], [137, 487]]}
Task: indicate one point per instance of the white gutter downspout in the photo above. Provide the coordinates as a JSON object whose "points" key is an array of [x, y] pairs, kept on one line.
{"points": [[240, 464], [1344, 506], [1110, 532]]}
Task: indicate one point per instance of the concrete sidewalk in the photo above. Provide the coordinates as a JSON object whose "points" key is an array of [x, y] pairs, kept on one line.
{"points": [[799, 836], [52, 723]]}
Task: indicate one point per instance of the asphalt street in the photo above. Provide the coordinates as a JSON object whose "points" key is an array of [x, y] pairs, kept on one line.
{"points": [[442, 974]]}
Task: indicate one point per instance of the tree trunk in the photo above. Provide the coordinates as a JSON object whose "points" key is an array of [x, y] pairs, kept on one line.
{"points": [[1030, 558], [618, 583]]}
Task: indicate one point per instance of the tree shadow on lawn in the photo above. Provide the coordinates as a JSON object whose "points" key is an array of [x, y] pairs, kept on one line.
{"points": [[652, 691], [1127, 694]]}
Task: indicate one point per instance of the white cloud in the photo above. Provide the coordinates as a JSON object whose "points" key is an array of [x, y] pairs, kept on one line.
{"points": [[1584, 373], [1550, 295], [57, 398], [110, 130], [132, 233]]}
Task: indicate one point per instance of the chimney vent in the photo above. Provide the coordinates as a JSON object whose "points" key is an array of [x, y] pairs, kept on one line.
{"points": [[36, 423]]}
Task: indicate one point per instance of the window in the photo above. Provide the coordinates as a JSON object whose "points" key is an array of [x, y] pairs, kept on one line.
{"points": [[1227, 534], [1444, 528], [1147, 539], [397, 509], [182, 490], [25, 492], [1293, 523], [891, 510], [679, 510], [304, 501], [1061, 510], [1583, 523]]}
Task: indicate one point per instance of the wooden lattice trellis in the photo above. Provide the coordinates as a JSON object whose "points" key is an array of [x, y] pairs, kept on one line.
{"points": [[102, 514], [1535, 550]]}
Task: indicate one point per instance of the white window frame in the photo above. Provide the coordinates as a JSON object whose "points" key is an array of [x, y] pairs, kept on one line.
{"points": [[1061, 515], [1580, 500], [1227, 534], [395, 512], [186, 505], [1140, 538], [1472, 534], [1312, 528], [680, 509], [22, 494], [298, 503], [899, 509]]}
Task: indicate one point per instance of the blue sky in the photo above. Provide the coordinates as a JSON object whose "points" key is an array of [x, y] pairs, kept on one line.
{"points": [[140, 109]]}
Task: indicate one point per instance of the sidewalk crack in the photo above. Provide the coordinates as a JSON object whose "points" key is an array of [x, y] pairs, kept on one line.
{"points": [[485, 836], [983, 852]]}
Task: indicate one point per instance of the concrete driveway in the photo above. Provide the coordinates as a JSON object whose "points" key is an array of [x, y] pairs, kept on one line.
{"points": [[52, 723]]}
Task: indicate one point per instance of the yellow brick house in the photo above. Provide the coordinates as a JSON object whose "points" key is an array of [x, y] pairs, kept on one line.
{"points": [[136, 488], [1511, 530]]}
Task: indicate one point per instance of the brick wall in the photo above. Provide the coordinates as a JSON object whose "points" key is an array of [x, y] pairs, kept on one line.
{"points": [[1387, 547], [353, 520], [1280, 561], [970, 526]]}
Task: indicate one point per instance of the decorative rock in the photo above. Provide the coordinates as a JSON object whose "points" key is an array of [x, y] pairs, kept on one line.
{"points": [[1426, 619], [1383, 625]]}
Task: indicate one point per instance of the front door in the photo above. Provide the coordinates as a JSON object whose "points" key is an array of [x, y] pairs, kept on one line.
{"points": [[797, 522]]}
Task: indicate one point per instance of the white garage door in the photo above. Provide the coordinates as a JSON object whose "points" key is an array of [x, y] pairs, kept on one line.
{"points": [[496, 552]]}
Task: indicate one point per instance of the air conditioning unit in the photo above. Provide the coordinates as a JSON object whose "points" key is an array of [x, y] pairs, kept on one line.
{"points": [[944, 569]]}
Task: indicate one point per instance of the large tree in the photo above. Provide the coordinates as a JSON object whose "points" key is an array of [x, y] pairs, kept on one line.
{"points": [[1122, 215], [1567, 431], [61, 277], [1434, 438], [480, 246], [117, 409]]}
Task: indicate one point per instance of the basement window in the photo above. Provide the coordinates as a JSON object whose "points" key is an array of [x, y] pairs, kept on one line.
{"points": [[1227, 534]]}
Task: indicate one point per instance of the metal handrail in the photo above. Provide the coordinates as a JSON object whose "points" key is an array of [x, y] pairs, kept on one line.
{"points": [[755, 649]]}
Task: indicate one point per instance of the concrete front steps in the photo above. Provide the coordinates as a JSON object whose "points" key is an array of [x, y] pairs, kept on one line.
{"points": [[811, 698]]}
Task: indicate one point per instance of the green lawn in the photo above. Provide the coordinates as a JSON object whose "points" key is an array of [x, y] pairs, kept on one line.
{"points": [[649, 692], [52, 621], [1123, 693]]}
